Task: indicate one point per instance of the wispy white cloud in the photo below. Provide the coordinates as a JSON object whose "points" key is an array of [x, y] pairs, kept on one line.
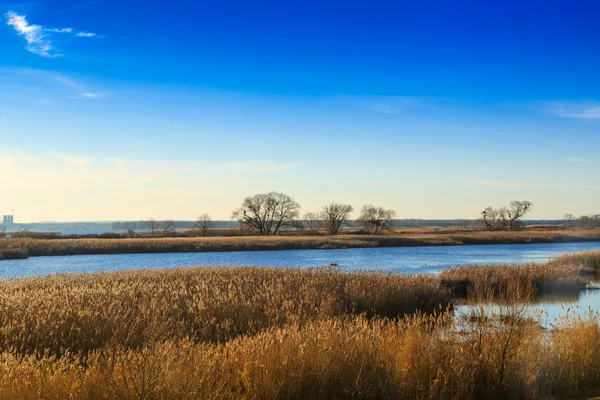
{"points": [[61, 30], [39, 38], [90, 95], [576, 110], [45, 86], [87, 34]]}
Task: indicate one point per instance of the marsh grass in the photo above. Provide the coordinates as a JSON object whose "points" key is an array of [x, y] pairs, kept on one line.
{"points": [[84, 312], [562, 275], [13, 254], [76, 246], [419, 357], [268, 333]]}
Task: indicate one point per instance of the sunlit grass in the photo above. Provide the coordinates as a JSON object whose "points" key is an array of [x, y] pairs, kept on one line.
{"points": [[271, 333], [345, 357], [84, 312], [48, 247], [566, 273]]}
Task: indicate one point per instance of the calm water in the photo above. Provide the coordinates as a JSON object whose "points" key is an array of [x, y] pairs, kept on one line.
{"points": [[399, 259], [549, 312]]}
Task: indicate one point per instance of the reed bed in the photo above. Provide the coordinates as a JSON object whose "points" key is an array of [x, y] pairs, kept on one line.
{"points": [[346, 357], [13, 254], [566, 273], [71, 246], [272, 333], [81, 313]]}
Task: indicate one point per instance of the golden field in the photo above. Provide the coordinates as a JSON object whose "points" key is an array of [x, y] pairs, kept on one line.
{"points": [[406, 237], [272, 333]]}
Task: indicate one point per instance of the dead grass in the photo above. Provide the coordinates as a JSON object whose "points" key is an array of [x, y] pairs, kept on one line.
{"points": [[84, 312], [50, 247], [13, 254], [563, 274], [267, 333], [346, 357]]}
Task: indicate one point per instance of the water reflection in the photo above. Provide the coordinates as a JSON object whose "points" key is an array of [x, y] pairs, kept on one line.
{"points": [[548, 309]]}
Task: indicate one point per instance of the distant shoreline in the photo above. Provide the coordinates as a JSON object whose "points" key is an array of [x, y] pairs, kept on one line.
{"points": [[88, 246]]}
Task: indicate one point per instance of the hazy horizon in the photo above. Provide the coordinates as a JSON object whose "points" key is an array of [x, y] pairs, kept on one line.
{"points": [[129, 111]]}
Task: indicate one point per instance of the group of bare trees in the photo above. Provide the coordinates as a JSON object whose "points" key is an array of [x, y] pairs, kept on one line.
{"points": [[166, 228], [268, 213], [505, 218], [591, 221], [160, 227]]}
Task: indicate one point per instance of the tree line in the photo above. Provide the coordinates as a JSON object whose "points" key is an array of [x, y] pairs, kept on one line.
{"points": [[269, 213], [591, 221]]}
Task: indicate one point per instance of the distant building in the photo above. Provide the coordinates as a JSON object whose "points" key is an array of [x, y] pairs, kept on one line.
{"points": [[8, 220]]}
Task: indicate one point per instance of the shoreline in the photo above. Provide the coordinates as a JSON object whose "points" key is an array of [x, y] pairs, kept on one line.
{"points": [[86, 246]]}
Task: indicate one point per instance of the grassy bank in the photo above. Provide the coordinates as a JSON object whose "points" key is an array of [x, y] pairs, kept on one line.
{"points": [[566, 273], [13, 254], [51, 247]]}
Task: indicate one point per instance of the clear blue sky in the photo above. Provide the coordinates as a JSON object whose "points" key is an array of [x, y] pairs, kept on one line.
{"points": [[130, 109]]}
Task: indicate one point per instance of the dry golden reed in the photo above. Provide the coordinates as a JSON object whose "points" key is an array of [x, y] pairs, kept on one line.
{"points": [[269, 333], [84, 312], [345, 357], [566, 273], [50, 247]]}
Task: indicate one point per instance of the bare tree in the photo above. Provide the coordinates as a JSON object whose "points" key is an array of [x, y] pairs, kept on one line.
{"points": [[203, 224], [168, 227], [516, 211], [463, 223], [313, 222], [494, 218], [589, 221], [163, 227], [505, 218], [335, 215], [153, 225], [267, 213], [569, 220], [375, 219]]}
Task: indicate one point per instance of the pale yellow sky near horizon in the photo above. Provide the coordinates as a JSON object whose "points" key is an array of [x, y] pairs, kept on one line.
{"points": [[67, 188]]}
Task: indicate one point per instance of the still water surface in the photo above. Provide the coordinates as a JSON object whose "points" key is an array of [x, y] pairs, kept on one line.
{"points": [[408, 260]]}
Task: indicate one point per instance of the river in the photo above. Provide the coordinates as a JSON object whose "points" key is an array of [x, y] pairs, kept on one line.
{"points": [[409, 260]]}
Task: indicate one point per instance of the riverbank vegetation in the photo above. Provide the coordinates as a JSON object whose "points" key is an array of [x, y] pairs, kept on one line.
{"points": [[13, 254], [84, 312], [564, 274], [258, 333], [417, 237]]}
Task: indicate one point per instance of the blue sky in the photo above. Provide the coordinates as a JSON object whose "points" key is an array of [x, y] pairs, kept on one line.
{"points": [[437, 109]]}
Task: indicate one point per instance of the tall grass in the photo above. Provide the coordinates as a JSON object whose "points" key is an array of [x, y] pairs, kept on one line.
{"points": [[50, 247], [81, 313], [13, 254], [566, 273], [345, 357], [269, 333]]}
